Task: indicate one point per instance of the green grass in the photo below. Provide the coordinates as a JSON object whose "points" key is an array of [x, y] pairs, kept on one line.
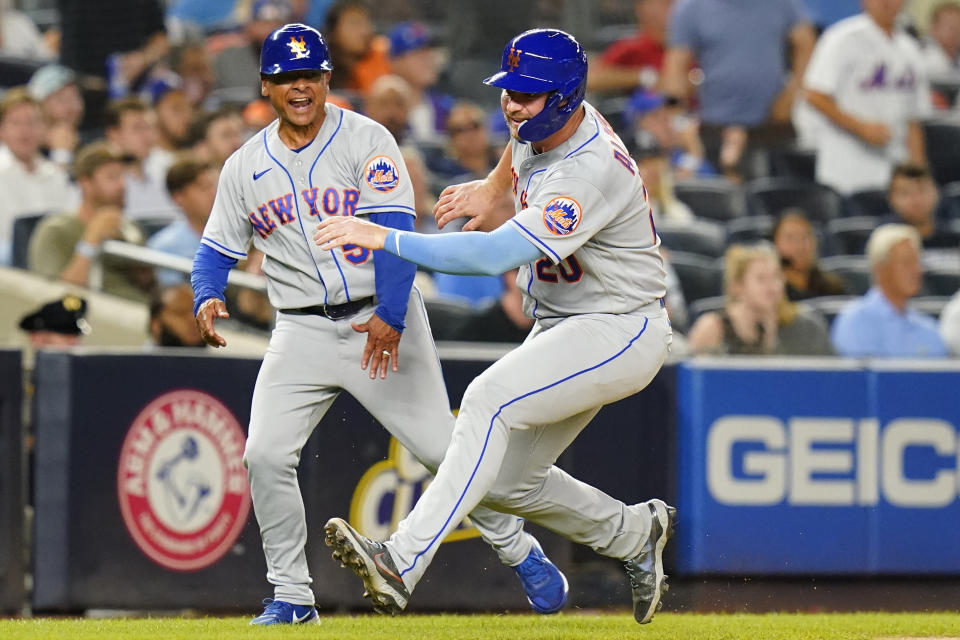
{"points": [[571, 625]]}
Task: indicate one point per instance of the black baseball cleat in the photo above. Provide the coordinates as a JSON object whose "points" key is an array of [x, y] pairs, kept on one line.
{"points": [[647, 580], [372, 562]]}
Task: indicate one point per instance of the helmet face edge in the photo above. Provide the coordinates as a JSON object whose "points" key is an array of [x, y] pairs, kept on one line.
{"points": [[544, 61]]}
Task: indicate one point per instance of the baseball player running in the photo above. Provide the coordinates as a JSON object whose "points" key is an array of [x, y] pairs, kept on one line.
{"points": [[593, 279], [335, 307]]}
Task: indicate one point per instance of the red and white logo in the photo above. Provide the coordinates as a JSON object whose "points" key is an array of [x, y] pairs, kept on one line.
{"points": [[181, 482]]}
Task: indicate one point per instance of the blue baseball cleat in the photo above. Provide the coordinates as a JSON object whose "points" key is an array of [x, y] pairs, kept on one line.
{"points": [[280, 612], [546, 586]]}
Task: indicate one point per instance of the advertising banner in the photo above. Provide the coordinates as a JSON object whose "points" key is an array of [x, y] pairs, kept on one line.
{"points": [[817, 467]]}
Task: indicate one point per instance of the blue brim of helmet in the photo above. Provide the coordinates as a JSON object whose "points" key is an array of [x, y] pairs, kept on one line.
{"points": [[518, 82]]}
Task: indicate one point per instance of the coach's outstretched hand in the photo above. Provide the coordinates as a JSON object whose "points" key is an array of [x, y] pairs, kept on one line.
{"points": [[340, 230], [208, 313], [382, 346]]}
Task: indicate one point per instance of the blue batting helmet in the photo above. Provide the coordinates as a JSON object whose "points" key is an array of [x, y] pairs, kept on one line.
{"points": [[294, 47], [542, 60]]}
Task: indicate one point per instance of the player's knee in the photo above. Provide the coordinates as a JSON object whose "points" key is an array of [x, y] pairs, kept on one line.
{"points": [[264, 458], [510, 498]]}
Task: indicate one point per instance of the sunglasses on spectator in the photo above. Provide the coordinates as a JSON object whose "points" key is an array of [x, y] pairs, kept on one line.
{"points": [[464, 128]]}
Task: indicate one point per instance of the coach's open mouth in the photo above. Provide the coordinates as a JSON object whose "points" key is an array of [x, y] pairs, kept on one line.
{"points": [[300, 104]]}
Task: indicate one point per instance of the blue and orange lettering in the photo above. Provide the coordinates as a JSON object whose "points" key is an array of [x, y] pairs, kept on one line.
{"points": [[515, 178], [523, 199], [282, 208], [354, 254], [331, 201], [350, 199], [569, 269], [310, 196], [263, 225]]}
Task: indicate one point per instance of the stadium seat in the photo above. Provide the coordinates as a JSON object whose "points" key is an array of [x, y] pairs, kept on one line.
{"points": [[703, 305], [872, 202], [848, 236], [950, 201], [150, 226], [700, 276], [713, 198], [447, 317], [771, 196], [703, 237], [855, 271], [828, 306], [943, 140], [23, 228], [749, 229], [793, 163], [941, 282]]}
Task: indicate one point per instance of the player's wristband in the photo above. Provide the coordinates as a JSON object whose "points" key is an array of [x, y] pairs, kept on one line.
{"points": [[86, 249]]}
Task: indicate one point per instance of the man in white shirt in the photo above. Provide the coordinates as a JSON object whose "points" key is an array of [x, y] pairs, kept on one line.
{"points": [[867, 81], [941, 51], [30, 184]]}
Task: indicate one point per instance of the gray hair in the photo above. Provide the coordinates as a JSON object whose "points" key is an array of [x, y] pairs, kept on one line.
{"points": [[885, 237]]}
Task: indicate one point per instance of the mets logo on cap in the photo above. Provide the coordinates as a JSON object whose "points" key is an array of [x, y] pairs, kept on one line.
{"points": [[382, 174], [298, 48], [181, 482], [562, 215]]}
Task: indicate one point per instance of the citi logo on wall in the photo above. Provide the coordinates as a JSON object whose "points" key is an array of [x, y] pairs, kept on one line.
{"points": [[181, 483]]}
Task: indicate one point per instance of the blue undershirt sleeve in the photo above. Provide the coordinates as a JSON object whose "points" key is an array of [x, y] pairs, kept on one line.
{"points": [[468, 253], [393, 277], [209, 276]]}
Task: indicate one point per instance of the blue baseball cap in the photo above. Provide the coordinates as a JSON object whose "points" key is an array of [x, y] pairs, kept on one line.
{"points": [[407, 37], [641, 102], [159, 85]]}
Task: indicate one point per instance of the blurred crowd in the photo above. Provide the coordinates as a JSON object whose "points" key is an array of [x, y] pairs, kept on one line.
{"points": [[802, 157]]}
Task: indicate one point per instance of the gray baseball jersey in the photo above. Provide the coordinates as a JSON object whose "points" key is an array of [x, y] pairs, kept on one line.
{"points": [[601, 334], [584, 205], [275, 195]]}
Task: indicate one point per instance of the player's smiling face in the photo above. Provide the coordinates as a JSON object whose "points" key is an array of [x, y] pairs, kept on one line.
{"points": [[297, 96], [519, 107]]}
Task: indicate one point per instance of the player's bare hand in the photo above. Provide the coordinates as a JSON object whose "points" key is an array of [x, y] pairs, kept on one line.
{"points": [[208, 313], [382, 349], [340, 230], [874, 133], [473, 200]]}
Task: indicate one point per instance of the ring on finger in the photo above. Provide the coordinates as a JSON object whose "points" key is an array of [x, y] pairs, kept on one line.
{"points": [[385, 353]]}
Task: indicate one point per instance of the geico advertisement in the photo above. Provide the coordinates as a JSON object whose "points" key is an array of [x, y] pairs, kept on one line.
{"points": [[850, 469]]}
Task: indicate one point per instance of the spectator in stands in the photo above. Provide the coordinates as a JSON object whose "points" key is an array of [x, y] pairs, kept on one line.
{"points": [[65, 246], [193, 64], [413, 58], [192, 185], [60, 323], [388, 102], [950, 325], [217, 134], [654, 165], [174, 112], [747, 93], [30, 184], [757, 318], [649, 121], [237, 60], [502, 320], [867, 81], [131, 130], [634, 61], [796, 243], [20, 37], [880, 324], [469, 155], [359, 56], [171, 318], [55, 88], [941, 51], [914, 199]]}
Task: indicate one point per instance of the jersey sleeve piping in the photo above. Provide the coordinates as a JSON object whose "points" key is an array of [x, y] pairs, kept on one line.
{"points": [[537, 242], [213, 244]]}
